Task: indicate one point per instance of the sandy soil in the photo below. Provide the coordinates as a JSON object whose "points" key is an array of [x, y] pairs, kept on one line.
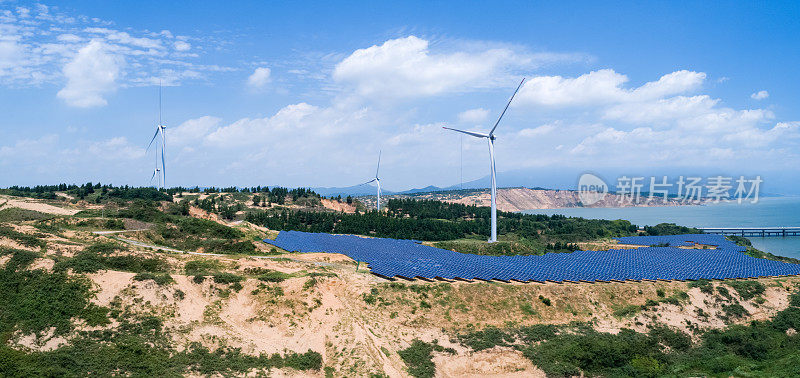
{"points": [[338, 206], [496, 362], [36, 205]]}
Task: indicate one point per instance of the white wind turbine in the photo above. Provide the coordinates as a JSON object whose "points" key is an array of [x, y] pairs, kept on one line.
{"points": [[490, 137], [160, 128], [377, 180]]}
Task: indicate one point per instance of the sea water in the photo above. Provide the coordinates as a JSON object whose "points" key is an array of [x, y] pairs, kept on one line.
{"points": [[768, 212]]}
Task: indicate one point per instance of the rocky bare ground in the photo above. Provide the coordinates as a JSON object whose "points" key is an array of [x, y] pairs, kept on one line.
{"points": [[519, 199]]}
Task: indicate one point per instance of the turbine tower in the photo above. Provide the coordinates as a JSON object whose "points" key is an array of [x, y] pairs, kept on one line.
{"points": [[160, 129], [490, 137], [378, 181]]}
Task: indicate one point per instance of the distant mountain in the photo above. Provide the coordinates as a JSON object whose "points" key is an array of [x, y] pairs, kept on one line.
{"points": [[429, 188], [566, 178], [357, 190]]}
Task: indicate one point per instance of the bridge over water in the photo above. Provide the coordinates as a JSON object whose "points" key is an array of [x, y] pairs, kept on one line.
{"points": [[753, 231]]}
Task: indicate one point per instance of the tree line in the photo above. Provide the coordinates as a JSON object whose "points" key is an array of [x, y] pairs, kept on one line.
{"points": [[435, 221]]}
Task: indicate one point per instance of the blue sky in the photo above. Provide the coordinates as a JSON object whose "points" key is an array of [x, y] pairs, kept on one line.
{"points": [[306, 94]]}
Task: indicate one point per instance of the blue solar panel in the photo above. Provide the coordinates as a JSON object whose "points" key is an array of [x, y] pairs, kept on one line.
{"points": [[653, 261]]}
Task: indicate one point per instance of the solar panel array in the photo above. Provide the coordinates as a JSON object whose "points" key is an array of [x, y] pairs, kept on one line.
{"points": [[409, 259]]}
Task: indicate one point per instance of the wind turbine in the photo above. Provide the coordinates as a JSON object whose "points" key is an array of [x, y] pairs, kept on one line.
{"points": [[160, 128], [490, 137], [377, 180], [156, 174]]}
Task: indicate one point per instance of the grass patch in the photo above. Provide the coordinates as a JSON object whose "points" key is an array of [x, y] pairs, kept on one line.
{"points": [[14, 214], [99, 256], [527, 309], [202, 267], [627, 311]]}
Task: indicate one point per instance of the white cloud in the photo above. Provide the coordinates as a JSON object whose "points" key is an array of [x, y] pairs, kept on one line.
{"points": [[116, 148], [181, 46], [760, 95], [259, 78], [254, 131], [193, 131], [91, 75], [473, 115], [36, 43], [11, 54], [406, 67], [661, 109], [26, 148], [603, 87], [537, 131]]}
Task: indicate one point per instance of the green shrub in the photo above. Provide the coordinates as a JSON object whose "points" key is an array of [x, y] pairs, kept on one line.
{"points": [[628, 310], [734, 311], [310, 360], [674, 339], [21, 238], [747, 289], [274, 276], [196, 267], [105, 248], [544, 300], [114, 224], [646, 366], [310, 283], [207, 228], [96, 257], [227, 278], [705, 285], [95, 315], [33, 301], [487, 338], [21, 259], [160, 279], [419, 358], [670, 229]]}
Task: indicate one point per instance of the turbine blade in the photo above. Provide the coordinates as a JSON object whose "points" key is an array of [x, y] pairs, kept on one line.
{"points": [[479, 135], [379, 164], [369, 182], [506, 108], [154, 176], [154, 138]]}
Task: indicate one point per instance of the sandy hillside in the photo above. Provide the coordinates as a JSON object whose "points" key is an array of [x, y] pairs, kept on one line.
{"points": [[35, 205], [518, 199]]}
